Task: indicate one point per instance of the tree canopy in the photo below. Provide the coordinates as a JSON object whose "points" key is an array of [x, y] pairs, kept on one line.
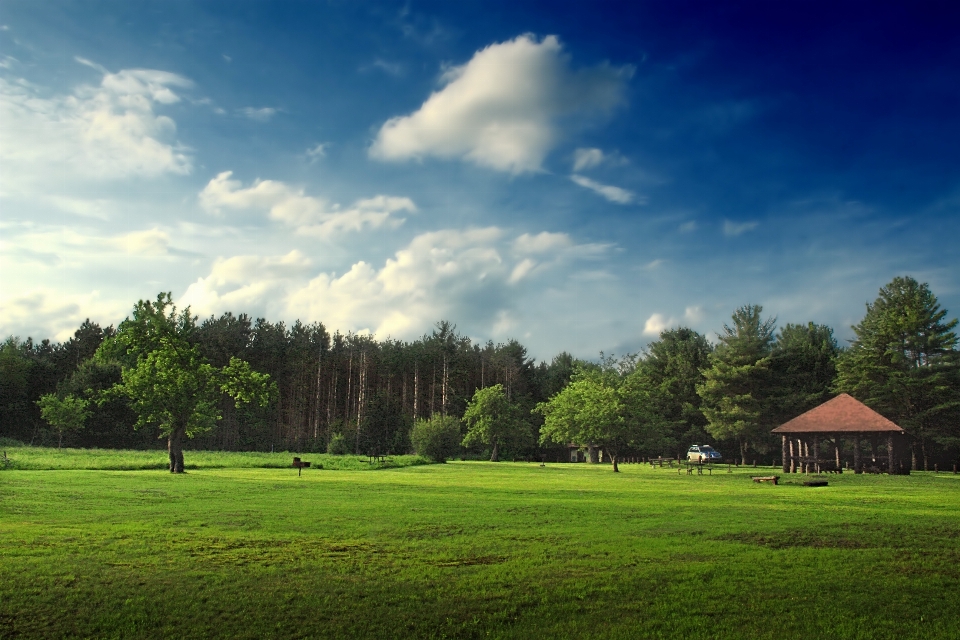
{"points": [[904, 363]]}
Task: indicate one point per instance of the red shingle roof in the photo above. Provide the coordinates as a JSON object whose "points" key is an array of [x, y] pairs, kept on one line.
{"points": [[843, 414]]}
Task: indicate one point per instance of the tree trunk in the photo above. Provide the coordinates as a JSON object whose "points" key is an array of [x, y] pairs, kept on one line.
{"points": [[495, 455], [613, 459], [175, 449], [743, 452]]}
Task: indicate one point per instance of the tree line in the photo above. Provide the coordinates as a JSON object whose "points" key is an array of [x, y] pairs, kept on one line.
{"points": [[257, 385]]}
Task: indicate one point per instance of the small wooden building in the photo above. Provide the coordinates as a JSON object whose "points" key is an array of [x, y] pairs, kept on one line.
{"points": [[809, 436]]}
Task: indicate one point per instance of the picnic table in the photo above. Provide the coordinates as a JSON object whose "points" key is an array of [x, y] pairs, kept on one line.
{"points": [[690, 465], [659, 462], [376, 457]]}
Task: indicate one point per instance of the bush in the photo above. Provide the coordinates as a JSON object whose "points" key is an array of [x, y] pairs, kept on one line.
{"points": [[437, 438], [338, 445], [11, 443]]}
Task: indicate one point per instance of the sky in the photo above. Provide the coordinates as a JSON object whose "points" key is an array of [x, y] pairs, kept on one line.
{"points": [[576, 176]]}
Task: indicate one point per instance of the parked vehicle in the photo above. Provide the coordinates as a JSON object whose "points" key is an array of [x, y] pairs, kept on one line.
{"points": [[703, 453]]}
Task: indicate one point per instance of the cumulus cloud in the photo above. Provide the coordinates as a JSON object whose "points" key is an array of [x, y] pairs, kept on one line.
{"points": [[611, 193], [655, 324], [310, 215], [502, 109], [99, 132], [442, 273], [51, 313], [733, 229]]}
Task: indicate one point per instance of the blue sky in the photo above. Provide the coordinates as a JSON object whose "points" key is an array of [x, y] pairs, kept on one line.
{"points": [[575, 176]]}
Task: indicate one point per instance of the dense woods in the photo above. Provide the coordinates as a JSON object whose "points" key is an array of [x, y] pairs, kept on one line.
{"points": [[356, 394]]}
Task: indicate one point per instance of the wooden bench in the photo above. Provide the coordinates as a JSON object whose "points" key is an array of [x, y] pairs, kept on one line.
{"points": [[773, 479]]}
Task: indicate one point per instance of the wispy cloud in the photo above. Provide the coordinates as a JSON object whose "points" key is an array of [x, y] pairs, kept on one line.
{"points": [[262, 114], [586, 159], [732, 229], [317, 151], [611, 193]]}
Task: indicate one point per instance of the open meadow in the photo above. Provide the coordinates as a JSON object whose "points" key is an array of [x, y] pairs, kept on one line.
{"points": [[468, 549]]}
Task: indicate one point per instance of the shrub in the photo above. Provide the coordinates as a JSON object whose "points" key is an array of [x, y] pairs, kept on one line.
{"points": [[11, 443], [338, 445], [437, 438]]}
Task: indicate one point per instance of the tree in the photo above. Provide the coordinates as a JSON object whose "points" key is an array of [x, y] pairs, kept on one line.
{"points": [[173, 388], [168, 382], [803, 365], [904, 364], [673, 366], [734, 386], [494, 421], [66, 413], [590, 411], [437, 438]]}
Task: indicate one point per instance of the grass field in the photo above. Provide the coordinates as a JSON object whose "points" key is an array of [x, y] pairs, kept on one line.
{"points": [[507, 550]]}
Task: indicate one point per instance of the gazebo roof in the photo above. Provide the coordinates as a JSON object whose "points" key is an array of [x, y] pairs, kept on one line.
{"points": [[843, 414]]}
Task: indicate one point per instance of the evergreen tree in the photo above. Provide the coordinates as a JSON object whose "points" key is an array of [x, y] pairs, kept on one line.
{"points": [[735, 385], [904, 364]]}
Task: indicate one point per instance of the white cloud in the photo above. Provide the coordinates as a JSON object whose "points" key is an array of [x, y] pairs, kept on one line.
{"points": [[502, 108], [688, 226], [309, 215], [611, 193], [98, 132], [461, 273], [733, 229], [317, 151], [260, 115], [693, 315], [55, 314], [586, 159], [148, 242], [544, 242], [655, 324]]}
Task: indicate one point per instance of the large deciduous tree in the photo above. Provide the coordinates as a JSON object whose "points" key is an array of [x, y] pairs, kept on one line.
{"points": [[605, 407], [493, 421], [168, 382], [174, 388], [904, 363], [735, 385]]}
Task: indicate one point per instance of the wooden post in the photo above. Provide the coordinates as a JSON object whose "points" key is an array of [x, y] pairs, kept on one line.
{"points": [[783, 452], [857, 458], [816, 453], [806, 456], [793, 460], [890, 454], [836, 451]]}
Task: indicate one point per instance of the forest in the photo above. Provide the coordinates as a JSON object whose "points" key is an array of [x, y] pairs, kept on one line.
{"points": [[236, 383]]}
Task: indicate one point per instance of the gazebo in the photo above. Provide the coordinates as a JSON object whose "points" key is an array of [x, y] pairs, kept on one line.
{"points": [[807, 436]]}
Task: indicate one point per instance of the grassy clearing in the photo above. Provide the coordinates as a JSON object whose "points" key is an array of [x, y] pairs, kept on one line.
{"points": [[477, 550], [49, 459]]}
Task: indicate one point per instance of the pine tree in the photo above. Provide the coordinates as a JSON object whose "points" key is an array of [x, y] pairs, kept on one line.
{"points": [[735, 384], [904, 364]]}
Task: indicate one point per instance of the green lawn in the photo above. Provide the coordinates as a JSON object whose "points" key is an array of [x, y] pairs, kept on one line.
{"points": [[465, 549]]}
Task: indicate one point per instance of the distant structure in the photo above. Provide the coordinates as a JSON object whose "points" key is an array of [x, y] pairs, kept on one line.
{"points": [[826, 427]]}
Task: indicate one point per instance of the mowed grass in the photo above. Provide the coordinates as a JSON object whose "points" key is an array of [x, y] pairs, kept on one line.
{"points": [[49, 459], [509, 550]]}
